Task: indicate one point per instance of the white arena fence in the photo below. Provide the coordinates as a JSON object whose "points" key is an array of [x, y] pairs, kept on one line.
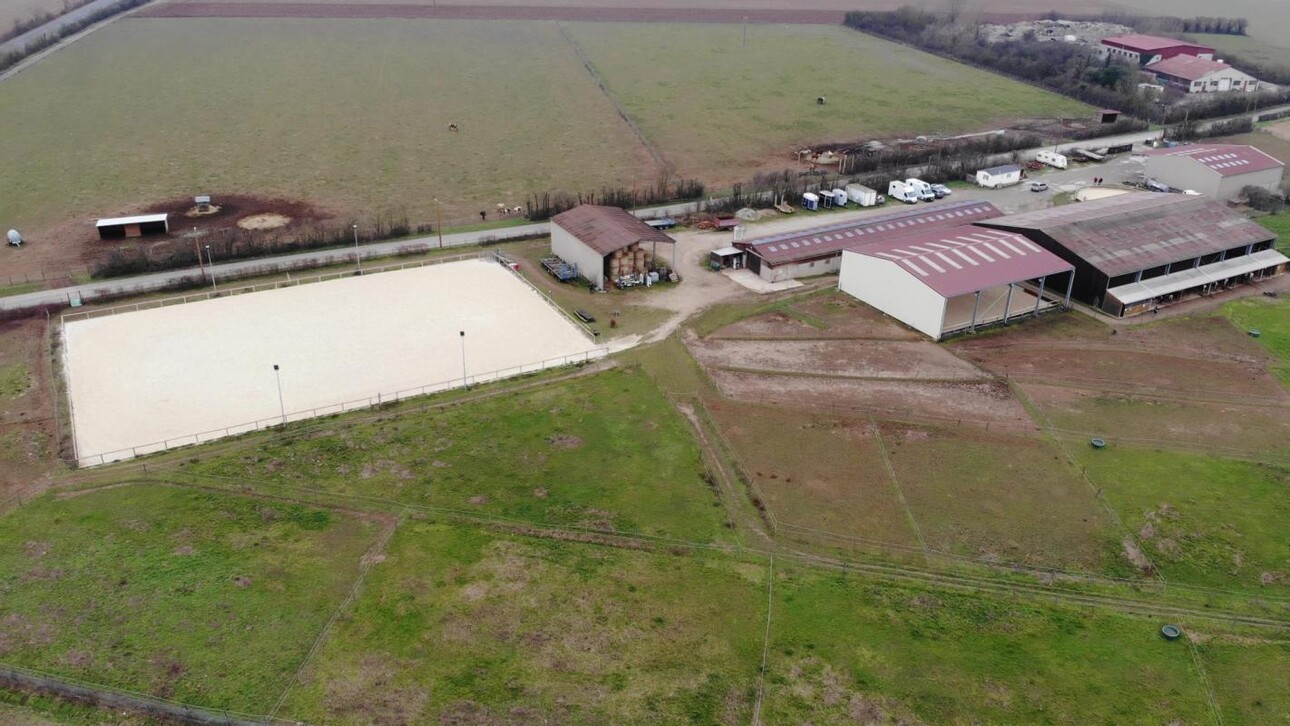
{"points": [[338, 408], [274, 285]]}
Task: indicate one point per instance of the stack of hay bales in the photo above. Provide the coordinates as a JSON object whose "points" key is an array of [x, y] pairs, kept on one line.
{"points": [[631, 260]]}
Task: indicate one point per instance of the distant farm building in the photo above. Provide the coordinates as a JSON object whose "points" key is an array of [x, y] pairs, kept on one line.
{"points": [[818, 251], [999, 176], [1201, 75], [1144, 49], [122, 227], [598, 241], [1136, 252], [1218, 170], [944, 281]]}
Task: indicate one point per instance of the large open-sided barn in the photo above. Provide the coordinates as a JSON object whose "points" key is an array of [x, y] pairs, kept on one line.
{"points": [[949, 280], [592, 238], [818, 250], [1219, 170], [1135, 252]]}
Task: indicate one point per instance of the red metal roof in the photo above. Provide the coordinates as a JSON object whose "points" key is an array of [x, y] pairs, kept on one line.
{"points": [[1151, 43], [1137, 231], [607, 229], [1226, 159], [964, 259], [817, 242], [1187, 67]]}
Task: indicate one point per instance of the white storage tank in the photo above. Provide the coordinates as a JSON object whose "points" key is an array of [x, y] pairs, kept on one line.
{"points": [[15, 239]]}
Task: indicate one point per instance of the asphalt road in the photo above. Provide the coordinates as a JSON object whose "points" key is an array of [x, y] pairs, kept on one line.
{"points": [[242, 268], [53, 26]]}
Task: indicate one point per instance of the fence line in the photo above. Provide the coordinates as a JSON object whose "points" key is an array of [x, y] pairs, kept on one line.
{"points": [[584, 327], [118, 698], [274, 285], [332, 409]]}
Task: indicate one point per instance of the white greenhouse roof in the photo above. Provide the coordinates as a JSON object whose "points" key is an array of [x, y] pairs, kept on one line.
{"points": [[138, 219], [1136, 292]]}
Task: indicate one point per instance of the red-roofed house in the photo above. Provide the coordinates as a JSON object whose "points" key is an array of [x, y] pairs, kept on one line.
{"points": [[1220, 171], [949, 280], [1143, 49], [1200, 75]]}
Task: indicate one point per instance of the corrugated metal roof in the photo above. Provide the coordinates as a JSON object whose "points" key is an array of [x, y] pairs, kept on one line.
{"points": [[1226, 159], [962, 260], [138, 219], [607, 229], [1006, 169], [1187, 67], [1148, 43], [1136, 292], [817, 242], [1130, 232]]}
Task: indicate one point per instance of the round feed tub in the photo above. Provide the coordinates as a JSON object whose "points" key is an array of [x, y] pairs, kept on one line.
{"points": [[1171, 632], [1098, 443]]}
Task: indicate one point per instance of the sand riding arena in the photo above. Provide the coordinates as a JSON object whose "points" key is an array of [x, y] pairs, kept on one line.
{"points": [[163, 374]]}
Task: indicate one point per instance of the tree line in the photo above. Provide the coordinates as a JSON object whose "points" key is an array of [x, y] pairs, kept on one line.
{"points": [[1067, 68]]}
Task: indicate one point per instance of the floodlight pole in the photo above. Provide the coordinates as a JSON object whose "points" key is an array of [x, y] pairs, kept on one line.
{"points": [[282, 406], [358, 257], [210, 261], [464, 383]]}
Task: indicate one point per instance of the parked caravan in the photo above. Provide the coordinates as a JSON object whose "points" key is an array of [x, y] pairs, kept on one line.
{"points": [[1053, 159], [810, 201], [862, 195]]}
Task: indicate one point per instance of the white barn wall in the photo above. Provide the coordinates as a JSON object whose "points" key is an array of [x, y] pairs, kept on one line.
{"points": [[591, 264], [885, 286], [779, 273]]}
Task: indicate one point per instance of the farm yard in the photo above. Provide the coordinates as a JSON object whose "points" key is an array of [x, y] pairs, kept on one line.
{"points": [[744, 508]]}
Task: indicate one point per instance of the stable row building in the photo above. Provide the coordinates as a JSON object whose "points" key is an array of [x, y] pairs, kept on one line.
{"points": [[1124, 255]]}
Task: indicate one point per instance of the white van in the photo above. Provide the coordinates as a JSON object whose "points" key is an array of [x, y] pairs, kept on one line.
{"points": [[903, 192]]}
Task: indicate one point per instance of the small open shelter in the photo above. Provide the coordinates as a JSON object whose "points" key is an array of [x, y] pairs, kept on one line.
{"points": [[137, 226]]}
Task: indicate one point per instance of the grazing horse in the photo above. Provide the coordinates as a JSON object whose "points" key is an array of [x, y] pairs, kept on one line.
{"points": [[452, 127]]}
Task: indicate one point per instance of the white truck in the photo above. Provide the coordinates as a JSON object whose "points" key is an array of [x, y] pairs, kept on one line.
{"points": [[1053, 159], [862, 195]]}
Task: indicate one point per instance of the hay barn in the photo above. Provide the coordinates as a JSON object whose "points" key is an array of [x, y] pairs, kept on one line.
{"points": [[1136, 252], [946, 281], [603, 243]]}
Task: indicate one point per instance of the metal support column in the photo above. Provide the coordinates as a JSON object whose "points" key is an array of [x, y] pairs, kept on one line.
{"points": [[1040, 299], [1070, 285], [975, 304], [1007, 303]]}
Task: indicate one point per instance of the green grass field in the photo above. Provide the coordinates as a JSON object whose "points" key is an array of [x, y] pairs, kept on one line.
{"points": [[194, 596], [846, 651], [458, 626], [352, 115], [1202, 519], [1272, 319], [606, 452], [349, 114], [1272, 51], [1249, 678], [1280, 224], [716, 107]]}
